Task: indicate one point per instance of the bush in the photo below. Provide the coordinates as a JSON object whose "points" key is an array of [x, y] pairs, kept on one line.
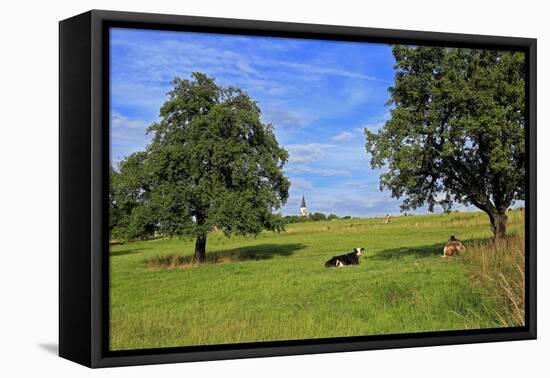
{"points": [[317, 216], [296, 219]]}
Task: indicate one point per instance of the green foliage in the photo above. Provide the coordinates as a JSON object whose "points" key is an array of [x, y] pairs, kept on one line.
{"points": [[211, 164], [131, 214], [457, 130], [317, 216], [312, 217], [115, 213], [296, 219]]}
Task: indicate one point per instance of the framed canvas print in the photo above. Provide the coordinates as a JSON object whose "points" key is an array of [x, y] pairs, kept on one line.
{"points": [[234, 188]]}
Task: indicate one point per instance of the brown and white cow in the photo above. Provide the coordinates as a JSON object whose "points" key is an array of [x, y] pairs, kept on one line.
{"points": [[453, 247]]}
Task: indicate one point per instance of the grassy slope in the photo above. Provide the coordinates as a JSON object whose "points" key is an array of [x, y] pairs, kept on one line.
{"points": [[275, 286]]}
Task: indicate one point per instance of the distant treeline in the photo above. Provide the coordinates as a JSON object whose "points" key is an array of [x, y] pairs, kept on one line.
{"points": [[313, 217]]}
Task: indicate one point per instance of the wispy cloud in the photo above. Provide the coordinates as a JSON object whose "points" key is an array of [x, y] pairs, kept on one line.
{"points": [[356, 94], [127, 135], [344, 136], [303, 168], [284, 118], [306, 153], [122, 123], [298, 183], [324, 70], [143, 60]]}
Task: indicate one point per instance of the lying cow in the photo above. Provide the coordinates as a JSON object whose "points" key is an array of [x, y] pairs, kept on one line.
{"points": [[453, 247], [351, 258]]}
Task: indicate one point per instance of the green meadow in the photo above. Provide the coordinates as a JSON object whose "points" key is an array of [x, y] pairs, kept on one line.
{"points": [[275, 286]]}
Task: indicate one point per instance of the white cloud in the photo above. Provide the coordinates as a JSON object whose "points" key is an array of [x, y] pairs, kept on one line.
{"points": [[306, 153], [127, 135], [357, 93], [303, 168], [344, 136], [322, 70], [284, 118], [122, 123], [137, 94], [298, 183]]}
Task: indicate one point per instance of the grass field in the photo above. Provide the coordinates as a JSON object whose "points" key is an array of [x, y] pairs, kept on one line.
{"points": [[275, 286]]}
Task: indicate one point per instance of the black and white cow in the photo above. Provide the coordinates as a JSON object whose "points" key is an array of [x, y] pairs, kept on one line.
{"points": [[351, 258]]}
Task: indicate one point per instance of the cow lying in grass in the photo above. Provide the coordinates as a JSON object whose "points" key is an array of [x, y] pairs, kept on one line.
{"points": [[453, 247], [351, 258]]}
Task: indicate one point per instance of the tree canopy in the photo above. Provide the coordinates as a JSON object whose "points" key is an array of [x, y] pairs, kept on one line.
{"points": [[211, 164], [457, 130]]}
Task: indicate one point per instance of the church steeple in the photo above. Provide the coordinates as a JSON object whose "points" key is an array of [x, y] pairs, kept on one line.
{"points": [[303, 208]]}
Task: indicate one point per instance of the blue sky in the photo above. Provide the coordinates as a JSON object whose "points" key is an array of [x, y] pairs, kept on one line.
{"points": [[319, 95]]}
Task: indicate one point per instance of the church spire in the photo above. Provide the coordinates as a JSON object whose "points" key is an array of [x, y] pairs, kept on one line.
{"points": [[303, 209]]}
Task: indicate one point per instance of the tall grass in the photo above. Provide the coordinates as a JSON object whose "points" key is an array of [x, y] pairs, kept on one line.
{"points": [[500, 270]]}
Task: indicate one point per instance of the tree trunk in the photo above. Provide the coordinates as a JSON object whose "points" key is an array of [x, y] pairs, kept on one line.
{"points": [[200, 249], [498, 225]]}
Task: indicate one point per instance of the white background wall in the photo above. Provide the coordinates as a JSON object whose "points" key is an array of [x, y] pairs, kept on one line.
{"points": [[29, 185]]}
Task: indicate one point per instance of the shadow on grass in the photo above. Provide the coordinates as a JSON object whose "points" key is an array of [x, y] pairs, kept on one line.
{"points": [[255, 252], [423, 250], [128, 251]]}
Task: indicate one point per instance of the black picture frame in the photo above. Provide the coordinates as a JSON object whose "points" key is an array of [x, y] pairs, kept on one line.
{"points": [[83, 182]]}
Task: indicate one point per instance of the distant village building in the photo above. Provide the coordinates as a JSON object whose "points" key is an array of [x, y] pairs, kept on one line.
{"points": [[303, 208]]}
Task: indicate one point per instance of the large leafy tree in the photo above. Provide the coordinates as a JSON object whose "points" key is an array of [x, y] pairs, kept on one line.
{"points": [[457, 130], [211, 164]]}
